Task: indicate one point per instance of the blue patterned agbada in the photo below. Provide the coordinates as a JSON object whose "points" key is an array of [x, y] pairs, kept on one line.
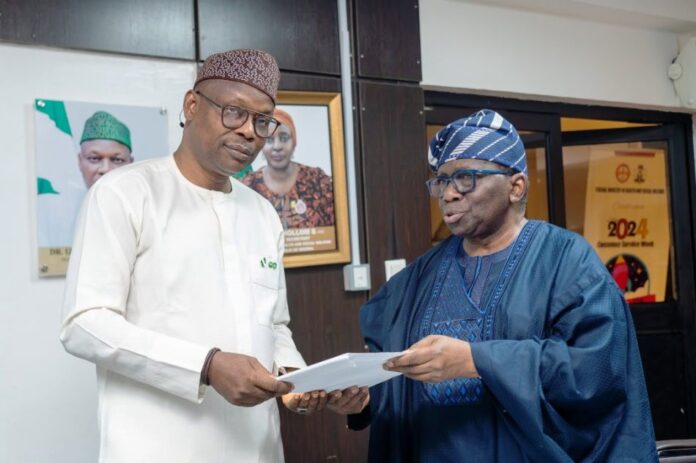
{"points": [[553, 342]]}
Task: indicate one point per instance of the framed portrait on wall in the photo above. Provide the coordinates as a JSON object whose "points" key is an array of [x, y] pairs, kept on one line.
{"points": [[301, 171], [77, 143]]}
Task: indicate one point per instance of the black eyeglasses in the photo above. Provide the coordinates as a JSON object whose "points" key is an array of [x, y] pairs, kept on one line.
{"points": [[234, 117], [464, 180]]}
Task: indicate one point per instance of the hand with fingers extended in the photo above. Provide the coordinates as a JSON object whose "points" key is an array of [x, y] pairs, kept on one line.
{"points": [[349, 401], [434, 359], [306, 403], [242, 380]]}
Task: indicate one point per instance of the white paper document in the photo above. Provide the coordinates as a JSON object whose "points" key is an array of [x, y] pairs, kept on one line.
{"points": [[351, 369]]}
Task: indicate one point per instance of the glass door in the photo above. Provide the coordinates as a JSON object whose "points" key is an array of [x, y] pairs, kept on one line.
{"points": [[627, 192]]}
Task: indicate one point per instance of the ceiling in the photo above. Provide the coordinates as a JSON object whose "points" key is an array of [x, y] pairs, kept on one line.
{"points": [[678, 16]]}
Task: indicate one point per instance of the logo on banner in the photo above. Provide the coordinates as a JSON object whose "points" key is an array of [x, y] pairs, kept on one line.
{"points": [[623, 173], [639, 175]]}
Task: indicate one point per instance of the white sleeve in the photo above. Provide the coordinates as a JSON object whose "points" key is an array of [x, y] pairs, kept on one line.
{"points": [[285, 353], [96, 326]]}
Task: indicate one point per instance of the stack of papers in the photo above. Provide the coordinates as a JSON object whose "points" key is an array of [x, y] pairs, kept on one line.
{"points": [[343, 371]]}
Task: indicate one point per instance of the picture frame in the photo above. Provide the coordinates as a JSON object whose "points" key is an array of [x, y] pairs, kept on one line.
{"points": [[314, 211]]}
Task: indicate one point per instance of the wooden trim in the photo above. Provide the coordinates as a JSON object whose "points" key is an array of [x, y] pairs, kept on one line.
{"points": [[445, 99]]}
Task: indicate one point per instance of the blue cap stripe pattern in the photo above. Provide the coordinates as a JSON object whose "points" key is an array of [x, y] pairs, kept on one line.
{"points": [[484, 135]]}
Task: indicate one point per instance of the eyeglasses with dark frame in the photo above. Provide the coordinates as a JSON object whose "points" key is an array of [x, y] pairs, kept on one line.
{"points": [[464, 180], [233, 117]]}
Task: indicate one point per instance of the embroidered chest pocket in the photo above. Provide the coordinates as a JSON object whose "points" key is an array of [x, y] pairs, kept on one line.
{"points": [[265, 288]]}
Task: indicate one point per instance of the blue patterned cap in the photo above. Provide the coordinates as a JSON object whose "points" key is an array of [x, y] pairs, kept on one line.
{"points": [[485, 135]]}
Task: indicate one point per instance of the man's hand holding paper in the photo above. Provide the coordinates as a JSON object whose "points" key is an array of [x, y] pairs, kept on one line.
{"points": [[344, 402], [347, 376]]}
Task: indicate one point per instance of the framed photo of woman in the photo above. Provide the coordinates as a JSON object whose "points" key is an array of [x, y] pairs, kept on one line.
{"points": [[301, 171]]}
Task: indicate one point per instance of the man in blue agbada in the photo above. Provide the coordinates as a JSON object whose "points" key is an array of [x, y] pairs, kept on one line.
{"points": [[518, 345]]}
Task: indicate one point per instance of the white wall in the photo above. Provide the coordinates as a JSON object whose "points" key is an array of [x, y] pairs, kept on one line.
{"points": [[482, 49], [48, 398]]}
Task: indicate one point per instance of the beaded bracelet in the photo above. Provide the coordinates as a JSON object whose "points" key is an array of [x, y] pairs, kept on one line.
{"points": [[206, 365]]}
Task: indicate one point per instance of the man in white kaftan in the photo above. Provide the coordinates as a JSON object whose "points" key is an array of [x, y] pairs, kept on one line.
{"points": [[162, 271], [176, 282]]}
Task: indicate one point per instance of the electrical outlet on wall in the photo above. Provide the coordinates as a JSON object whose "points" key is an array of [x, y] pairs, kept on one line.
{"points": [[393, 266], [356, 277]]}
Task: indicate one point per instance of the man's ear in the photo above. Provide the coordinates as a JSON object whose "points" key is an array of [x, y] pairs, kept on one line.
{"points": [[520, 184], [190, 105]]}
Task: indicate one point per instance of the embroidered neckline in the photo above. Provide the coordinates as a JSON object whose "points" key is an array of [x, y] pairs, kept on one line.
{"points": [[485, 310]]}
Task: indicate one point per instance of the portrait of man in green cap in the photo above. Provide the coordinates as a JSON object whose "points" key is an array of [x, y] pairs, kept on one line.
{"points": [[77, 143], [105, 145]]}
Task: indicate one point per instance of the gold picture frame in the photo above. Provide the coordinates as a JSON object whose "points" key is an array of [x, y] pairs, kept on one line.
{"points": [[316, 231]]}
